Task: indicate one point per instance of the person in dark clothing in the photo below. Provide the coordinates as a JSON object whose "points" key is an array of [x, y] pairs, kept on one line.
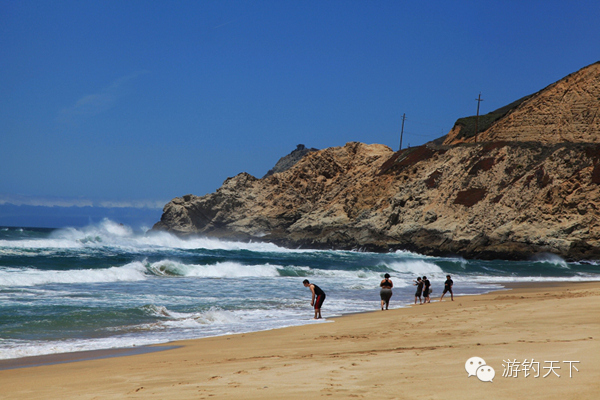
{"points": [[318, 297], [419, 285], [448, 287], [386, 291], [426, 290]]}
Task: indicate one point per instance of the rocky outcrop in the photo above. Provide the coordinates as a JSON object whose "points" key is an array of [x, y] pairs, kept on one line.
{"points": [[290, 160], [491, 199]]}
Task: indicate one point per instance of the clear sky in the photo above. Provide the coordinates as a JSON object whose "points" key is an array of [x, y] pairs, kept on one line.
{"points": [[137, 102]]}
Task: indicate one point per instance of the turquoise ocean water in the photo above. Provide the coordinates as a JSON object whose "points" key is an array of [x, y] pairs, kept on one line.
{"points": [[107, 286]]}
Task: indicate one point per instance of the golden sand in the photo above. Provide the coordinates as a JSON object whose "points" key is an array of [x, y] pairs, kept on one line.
{"points": [[412, 353]]}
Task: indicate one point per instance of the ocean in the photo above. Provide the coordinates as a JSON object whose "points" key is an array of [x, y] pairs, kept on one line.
{"points": [[107, 286]]}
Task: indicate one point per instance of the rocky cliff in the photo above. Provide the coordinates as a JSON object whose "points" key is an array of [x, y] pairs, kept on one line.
{"points": [[491, 199]]}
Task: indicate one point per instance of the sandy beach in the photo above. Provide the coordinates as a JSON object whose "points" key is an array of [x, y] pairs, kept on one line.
{"points": [[411, 353]]}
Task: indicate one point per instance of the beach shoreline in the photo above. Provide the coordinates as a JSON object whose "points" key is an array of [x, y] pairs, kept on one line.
{"points": [[379, 354], [84, 355], [77, 356]]}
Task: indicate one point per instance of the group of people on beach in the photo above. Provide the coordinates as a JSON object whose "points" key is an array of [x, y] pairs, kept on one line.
{"points": [[422, 294]]}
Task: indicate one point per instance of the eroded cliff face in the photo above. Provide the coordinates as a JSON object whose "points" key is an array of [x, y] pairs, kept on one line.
{"points": [[487, 200], [566, 111]]}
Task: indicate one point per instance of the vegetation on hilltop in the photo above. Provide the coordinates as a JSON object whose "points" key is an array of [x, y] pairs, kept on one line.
{"points": [[469, 124]]}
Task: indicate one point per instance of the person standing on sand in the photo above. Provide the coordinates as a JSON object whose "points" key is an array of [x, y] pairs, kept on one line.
{"points": [[386, 291], [318, 297], [448, 287], [426, 290], [419, 285]]}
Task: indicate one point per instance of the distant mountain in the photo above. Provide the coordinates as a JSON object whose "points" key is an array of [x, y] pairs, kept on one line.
{"points": [[530, 184]]}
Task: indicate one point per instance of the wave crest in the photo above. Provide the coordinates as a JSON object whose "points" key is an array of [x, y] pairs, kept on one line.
{"points": [[416, 267], [217, 270], [14, 277], [549, 258]]}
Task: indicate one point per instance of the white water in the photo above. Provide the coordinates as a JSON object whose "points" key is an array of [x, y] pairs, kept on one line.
{"points": [[113, 287]]}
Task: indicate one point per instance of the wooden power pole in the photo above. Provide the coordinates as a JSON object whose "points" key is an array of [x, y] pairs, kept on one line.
{"points": [[402, 131], [479, 100]]}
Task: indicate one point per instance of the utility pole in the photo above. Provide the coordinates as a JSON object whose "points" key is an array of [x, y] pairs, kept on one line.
{"points": [[402, 131], [479, 100]]}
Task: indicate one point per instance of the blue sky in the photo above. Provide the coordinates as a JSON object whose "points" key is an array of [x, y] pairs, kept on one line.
{"points": [[136, 102]]}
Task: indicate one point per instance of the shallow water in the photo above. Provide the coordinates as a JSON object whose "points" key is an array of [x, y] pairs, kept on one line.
{"points": [[106, 286]]}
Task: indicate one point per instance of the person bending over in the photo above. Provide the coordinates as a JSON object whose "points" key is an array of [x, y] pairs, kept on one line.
{"points": [[318, 297]]}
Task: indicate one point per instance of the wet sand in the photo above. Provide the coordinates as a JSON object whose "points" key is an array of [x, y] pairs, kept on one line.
{"points": [[60, 358], [412, 353]]}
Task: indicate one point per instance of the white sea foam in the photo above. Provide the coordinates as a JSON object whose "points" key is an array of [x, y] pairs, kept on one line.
{"points": [[137, 271], [8, 245], [409, 254], [579, 277], [165, 239], [21, 348], [14, 277], [111, 234], [549, 258], [217, 270], [416, 267], [179, 326]]}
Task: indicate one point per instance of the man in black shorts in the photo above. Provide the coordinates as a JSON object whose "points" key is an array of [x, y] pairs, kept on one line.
{"points": [[426, 290], [318, 297], [448, 288]]}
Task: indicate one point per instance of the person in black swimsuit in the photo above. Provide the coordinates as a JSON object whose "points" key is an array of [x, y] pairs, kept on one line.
{"points": [[448, 287], [426, 290], [318, 297], [419, 285], [386, 291]]}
